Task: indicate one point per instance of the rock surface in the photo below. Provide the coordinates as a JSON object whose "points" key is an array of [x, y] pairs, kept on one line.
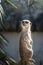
{"points": [[32, 10]]}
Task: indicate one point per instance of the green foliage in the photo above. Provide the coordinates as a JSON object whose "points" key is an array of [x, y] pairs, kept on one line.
{"points": [[6, 58], [2, 10], [3, 14], [3, 40], [3, 54], [11, 61], [10, 3]]}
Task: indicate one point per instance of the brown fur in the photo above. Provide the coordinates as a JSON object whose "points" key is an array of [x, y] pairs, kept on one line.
{"points": [[25, 44]]}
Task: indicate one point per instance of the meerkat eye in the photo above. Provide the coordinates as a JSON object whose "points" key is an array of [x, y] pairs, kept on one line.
{"points": [[26, 22], [30, 23], [22, 21]]}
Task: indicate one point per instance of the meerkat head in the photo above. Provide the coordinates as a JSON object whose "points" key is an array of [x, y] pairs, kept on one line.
{"points": [[26, 24]]}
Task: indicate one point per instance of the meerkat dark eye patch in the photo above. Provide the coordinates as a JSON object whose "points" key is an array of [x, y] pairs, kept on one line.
{"points": [[23, 22], [30, 23], [26, 22]]}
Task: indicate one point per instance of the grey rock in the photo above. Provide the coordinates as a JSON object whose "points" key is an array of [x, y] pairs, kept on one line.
{"points": [[39, 22], [11, 23], [32, 10]]}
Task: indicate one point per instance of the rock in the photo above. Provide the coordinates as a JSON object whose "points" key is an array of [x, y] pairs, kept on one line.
{"points": [[32, 10], [39, 22], [11, 23]]}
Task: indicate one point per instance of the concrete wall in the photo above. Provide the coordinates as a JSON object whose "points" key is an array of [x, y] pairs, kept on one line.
{"points": [[13, 47]]}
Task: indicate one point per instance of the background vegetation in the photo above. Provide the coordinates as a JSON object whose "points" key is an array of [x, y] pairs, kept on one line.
{"points": [[4, 58]]}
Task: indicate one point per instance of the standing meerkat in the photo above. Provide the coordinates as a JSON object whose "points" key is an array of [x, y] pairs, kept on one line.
{"points": [[25, 44]]}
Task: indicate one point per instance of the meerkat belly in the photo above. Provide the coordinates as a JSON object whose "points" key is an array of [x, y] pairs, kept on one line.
{"points": [[26, 42], [25, 47]]}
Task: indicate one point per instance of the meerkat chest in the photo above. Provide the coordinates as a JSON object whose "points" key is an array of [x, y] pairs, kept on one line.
{"points": [[26, 37], [26, 40]]}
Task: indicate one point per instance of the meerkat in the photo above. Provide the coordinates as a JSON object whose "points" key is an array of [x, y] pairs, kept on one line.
{"points": [[25, 44]]}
